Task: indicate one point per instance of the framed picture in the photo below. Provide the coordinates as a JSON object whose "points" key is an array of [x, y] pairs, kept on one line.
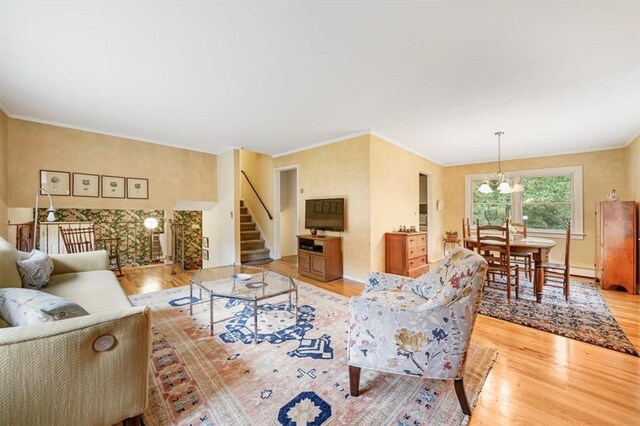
{"points": [[112, 187], [138, 188], [86, 185], [205, 242], [205, 254], [55, 182]]}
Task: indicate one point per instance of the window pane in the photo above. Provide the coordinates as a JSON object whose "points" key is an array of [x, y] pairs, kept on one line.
{"points": [[547, 216], [546, 201], [493, 197], [547, 189], [491, 214], [490, 209]]}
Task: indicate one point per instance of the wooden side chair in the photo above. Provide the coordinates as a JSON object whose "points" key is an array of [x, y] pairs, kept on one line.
{"points": [[523, 259], [495, 248], [557, 274], [466, 231], [83, 239]]}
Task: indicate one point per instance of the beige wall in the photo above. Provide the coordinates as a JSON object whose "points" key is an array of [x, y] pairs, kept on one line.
{"points": [[340, 169], [259, 168], [632, 178], [632, 170], [394, 188], [4, 186], [174, 174], [602, 172]]}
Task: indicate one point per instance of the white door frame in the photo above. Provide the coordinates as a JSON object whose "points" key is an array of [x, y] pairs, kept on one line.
{"points": [[276, 216], [431, 241]]}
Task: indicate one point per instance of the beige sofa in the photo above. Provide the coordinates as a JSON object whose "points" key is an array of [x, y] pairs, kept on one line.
{"points": [[50, 373]]}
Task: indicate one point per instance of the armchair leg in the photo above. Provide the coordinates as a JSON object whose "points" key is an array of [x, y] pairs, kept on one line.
{"points": [[354, 380], [462, 396]]}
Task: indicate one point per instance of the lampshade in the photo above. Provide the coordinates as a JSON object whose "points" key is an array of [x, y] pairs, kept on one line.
{"points": [[504, 187], [151, 223], [485, 188], [51, 217]]}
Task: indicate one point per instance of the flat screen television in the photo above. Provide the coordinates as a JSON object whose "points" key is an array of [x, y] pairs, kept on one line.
{"points": [[325, 214]]}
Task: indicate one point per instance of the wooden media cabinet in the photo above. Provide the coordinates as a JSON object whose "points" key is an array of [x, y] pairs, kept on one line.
{"points": [[320, 257]]}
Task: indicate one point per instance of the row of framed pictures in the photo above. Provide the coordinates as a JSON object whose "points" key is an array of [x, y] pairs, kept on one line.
{"points": [[89, 185]]}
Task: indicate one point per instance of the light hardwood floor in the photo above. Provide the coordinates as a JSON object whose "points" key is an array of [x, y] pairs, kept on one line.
{"points": [[538, 379]]}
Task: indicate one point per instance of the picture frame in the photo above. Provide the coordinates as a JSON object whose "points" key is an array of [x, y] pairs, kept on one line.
{"points": [[205, 242], [138, 188], [113, 186], [205, 254], [86, 185], [55, 182]]}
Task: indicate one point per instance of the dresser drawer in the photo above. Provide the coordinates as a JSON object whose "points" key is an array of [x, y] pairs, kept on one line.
{"points": [[416, 263], [415, 240], [416, 251]]}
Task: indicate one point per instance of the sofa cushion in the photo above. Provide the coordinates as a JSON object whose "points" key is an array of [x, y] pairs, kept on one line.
{"points": [[24, 306], [9, 276], [35, 269], [96, 291]]}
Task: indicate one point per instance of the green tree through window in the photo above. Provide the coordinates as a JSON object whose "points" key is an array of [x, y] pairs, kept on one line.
{"points": [[492, 208], [546, 201]]}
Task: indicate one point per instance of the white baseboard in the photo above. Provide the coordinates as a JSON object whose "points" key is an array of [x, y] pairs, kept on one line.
{"points": [[582, 272], [356, 279]]}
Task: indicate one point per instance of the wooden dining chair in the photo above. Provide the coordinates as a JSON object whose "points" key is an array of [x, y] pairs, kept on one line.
{"points": [[495, 248], [466, 231], [557, 274], [523, 259], [83, 239]]}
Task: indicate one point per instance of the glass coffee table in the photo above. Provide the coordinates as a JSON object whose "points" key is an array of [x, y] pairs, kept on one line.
{"points": [[244, 283]]}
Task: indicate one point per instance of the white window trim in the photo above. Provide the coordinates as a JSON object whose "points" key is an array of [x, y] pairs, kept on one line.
{"points": [[577, 212]]}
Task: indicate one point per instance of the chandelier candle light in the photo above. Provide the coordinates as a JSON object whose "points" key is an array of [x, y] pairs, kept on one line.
{"points": [[505, 184]]}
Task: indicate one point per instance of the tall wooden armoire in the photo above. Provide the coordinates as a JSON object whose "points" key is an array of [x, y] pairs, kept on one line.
{"points": [[616, 242]]}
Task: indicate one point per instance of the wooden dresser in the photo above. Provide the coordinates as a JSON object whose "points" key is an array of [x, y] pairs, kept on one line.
{"points": [[320, 257], [616, 237], [405, 253]]}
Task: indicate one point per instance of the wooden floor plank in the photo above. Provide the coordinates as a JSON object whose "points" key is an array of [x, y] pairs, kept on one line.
{"points": [[538, 378]]}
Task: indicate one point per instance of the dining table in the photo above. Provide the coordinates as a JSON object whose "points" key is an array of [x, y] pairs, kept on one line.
{"points": [[539, 249]]}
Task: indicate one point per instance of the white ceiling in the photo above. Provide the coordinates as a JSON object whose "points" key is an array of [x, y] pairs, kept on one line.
{"points": [[438, 78]]}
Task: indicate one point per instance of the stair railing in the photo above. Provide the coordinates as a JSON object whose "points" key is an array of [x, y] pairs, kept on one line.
{"points": [[257, 195]]}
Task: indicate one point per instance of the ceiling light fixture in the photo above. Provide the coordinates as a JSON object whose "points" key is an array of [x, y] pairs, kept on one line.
{"points": [[505, 185]]}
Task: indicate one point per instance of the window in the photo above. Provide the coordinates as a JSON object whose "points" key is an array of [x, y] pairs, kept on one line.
{"points": [[551, 197]]}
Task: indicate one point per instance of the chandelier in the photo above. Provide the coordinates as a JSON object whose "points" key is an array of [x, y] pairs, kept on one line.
{"points": [[506, 185]]}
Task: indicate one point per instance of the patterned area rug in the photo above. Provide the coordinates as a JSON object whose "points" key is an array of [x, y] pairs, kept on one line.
{"points": [[297, 375], [585, 317]]}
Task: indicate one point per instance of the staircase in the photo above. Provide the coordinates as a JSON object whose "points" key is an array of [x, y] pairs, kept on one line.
{"points": [[252, 249]]}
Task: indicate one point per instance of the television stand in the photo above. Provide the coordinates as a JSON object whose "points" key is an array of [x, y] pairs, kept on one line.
{"points": [[320, 257]]}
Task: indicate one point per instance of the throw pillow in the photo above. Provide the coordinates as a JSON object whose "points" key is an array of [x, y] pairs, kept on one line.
{"points": [[35, 269], [23, 306]]}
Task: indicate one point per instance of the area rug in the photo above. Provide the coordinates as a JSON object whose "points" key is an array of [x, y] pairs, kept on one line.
{"points": [[585, 317], [297, 375]]}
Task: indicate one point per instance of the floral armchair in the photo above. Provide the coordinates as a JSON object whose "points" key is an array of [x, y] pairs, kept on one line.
{"points": [[420, 326]]}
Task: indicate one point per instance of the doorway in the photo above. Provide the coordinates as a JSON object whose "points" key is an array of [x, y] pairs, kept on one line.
{"points": [[286, 215], [423, 203]]}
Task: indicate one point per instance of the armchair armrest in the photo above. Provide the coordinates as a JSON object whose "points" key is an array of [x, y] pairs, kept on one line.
{"points": [[382, 281], [51, 373], [423, 340], [80, 262]]}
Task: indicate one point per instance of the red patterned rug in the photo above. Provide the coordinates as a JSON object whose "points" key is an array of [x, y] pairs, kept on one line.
{"points": [[297, 375], [585, 317]]}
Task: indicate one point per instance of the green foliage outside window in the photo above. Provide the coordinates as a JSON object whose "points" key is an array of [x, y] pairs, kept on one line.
{"points": [[546, 203], [492, 208]]}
